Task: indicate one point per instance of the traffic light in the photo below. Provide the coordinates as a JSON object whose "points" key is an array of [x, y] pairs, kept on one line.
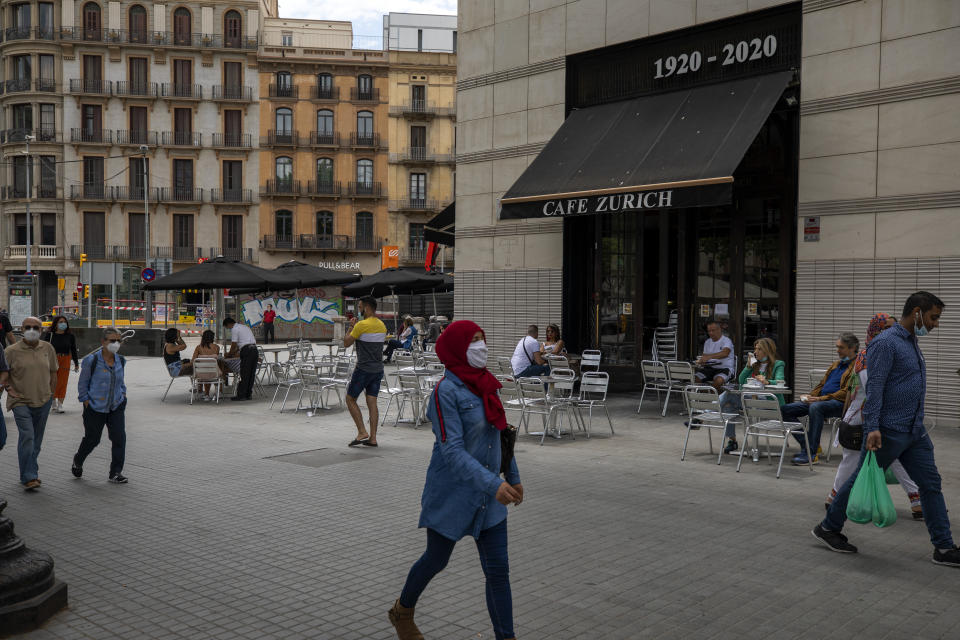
{"points": [[76, 295], [86, 291], [83, 258]]}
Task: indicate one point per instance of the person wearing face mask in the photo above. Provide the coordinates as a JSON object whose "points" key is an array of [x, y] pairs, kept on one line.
{"points": [[65, 344], [104, 396], [893, 426], [464, 494], [33, 378], [825, 401]]}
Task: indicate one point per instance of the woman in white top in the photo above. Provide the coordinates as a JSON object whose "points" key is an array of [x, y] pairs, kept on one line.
{"points": [[853, 415], [553, 345]]}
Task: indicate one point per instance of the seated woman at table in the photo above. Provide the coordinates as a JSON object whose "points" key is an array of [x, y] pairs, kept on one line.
{"points": [[553, 345], [405, 341], [173, 344], [766, 369], [208, 348]]}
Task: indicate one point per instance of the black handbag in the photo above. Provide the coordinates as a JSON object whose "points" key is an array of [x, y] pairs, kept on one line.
{"points": [[850, 436], [508, 439]]}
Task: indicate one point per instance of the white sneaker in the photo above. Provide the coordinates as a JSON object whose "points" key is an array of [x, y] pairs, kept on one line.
{"points": [[207, 398], [59, 407]]}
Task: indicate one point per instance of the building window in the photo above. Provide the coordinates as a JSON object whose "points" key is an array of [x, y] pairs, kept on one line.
{"points": [[283, 121], [415, 239], [418, 190], [48, 177], [138, 125], [324, 86], [232, 181], [454, 41], [182, 28], [48, 123], [22, 121], [324, 173], [137, 76], [284, 84], [324, 229], [364, 237], [364, 87], [92, 74], [137, 23], [233, 80], [283, 227], [365, 128], [183, 180], [418, 97], [325, 124], [286, 38], [93, 177], [232, 127], [91, 21], [183, 236], [92, 119], [283, 172], [364, 175], [22, 74], [21, 22], [21, 177], [419, 39], [232, 29], [48, 229], [183, 126], [94, 234], [136, 235], [418, 142], [137, 180], [20, 228], [232, 230], [183, 78]]}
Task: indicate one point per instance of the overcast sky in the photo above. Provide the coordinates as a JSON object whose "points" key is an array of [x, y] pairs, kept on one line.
{"points": [[366, 15]]}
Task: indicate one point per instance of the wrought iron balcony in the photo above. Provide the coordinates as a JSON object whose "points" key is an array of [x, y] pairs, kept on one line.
{"points": [[278, 188], [135, 194], [232, 141], [181, 194], [136, 137], [87, 136], [421, 155], [181, 139], [414, 204], [231, 196], [17, 33], [323, 188], [364, 190], [15, 136], [181, 91], [320, 242], [364, 95], [364, 139], [95, 191], [131, 89], [17, 85], [324, 139], [422, 108], [91, 87], [291, 92], [231, 93], [280, 138], [244, 254], [325, 93]]}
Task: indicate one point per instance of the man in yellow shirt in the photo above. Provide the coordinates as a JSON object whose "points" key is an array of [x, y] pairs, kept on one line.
{"points": [[368, 335]]}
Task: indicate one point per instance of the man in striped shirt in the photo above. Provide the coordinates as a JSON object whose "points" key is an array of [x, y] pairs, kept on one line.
{"points": [[368, 335], [893, 426]]}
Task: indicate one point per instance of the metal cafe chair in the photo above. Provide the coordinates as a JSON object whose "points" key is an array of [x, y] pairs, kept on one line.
{"points": [[506, 367], [654, 379], [703, 410], [287, 378], [510, 394], [557, 362], [593, 393], [590, 359], [206, 371], [680, 374], [763, 417], [339, 380], [173, 379]]}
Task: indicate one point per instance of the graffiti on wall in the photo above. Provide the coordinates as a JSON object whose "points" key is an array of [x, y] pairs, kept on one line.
{"points": [[315, 306]]}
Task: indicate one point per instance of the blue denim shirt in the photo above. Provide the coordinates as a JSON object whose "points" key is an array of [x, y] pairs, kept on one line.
{"points": [[101, 384], [459, 497], [896, 384]]}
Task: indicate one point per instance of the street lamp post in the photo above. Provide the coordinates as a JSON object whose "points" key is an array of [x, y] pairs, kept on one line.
{"points": [[148, 298]]}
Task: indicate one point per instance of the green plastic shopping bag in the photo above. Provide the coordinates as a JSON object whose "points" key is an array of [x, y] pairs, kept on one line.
{"points": [[869, 498], [890, 476]]}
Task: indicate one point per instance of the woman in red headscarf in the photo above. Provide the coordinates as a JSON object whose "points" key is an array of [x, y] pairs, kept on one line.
{"points": [[853, 415], [464, 493]]}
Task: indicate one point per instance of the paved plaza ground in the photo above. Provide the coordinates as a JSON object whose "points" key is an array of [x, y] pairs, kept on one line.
{"points": [[223, 534]]}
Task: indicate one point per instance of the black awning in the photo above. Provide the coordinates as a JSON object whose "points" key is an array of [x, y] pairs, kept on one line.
{"points": [[670, 150], [441, 228]]}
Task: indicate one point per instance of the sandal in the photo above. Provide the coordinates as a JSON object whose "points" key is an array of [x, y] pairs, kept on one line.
{"points": [[358, 441], [367, 443]]}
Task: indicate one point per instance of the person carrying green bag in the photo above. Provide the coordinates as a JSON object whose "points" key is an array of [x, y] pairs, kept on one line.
{"points": [[869, 498], [893, 427]]}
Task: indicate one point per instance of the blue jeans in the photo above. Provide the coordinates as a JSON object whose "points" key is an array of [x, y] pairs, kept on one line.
{"points": [[492, 546], [818, 412], [31, 421], [392, 345], [535, 370], [915, 453], [730, 403]]}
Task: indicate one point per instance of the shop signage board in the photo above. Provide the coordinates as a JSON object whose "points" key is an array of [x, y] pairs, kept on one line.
{"points": [[20, 298], [638, 200], [389, 257], [734, 48], [811, 229]]}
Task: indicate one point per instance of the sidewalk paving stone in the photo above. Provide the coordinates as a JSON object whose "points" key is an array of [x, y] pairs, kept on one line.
{"points": [[242, 522]]}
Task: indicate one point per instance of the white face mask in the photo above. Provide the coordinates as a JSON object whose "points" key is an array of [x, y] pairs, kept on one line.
{"points": [[477, 354], [113, 347], [31, 335]]}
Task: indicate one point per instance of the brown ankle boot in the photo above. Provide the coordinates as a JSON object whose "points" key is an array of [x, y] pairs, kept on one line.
{"points": [[402, 620]]}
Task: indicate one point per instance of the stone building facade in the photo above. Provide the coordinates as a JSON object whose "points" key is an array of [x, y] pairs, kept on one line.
{"points": [[876, 209]]}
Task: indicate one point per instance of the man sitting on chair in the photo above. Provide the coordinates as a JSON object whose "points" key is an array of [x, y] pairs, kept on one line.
{"points": [[716, 364], [527, 358]]}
